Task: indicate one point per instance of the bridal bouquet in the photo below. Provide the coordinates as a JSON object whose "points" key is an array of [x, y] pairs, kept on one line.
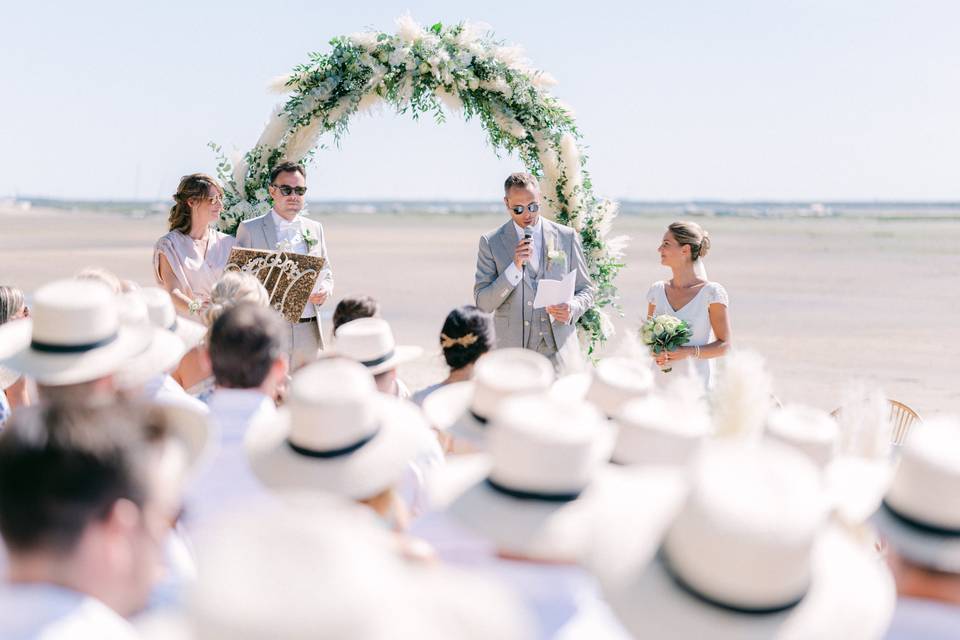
{"points": [[665, 333]]}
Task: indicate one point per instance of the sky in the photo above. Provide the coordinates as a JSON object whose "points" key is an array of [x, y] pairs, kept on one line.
{"points": [[698, 99]]}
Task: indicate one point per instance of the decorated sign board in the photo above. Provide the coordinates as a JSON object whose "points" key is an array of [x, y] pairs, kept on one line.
{"points": [[288, 277]]}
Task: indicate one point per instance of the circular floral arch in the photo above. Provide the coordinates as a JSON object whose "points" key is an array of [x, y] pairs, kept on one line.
{"points": [[461, 69]]}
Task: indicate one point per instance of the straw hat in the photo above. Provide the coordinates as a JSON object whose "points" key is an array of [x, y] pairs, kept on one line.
{"points": [[652, 431], [75, 335], [370, 342], [855, 484], [16, 336], [161, 355], [463, 409], [751, 556], [615, 381], [920, 516], [546, 490], [329, 570], [164, 316], [337, 434]]}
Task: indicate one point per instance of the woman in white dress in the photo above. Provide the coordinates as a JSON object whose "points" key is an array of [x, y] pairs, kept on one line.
{"points": [[189, 259], [691, 297]]}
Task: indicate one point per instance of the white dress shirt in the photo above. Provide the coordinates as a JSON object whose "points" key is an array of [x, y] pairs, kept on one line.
{"points": [[227, 479], [915, 618], [164, 390], [39, 611], [513, 274], [288, 235]]}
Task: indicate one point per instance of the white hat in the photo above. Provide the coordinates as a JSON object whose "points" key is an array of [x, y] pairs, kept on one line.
{"points": [[337, 433], [328, 570], [855, 484], [653, 432], [370, 342], [751, 556], [615, 381], [161, 355], [464, 408], [76, 335], [920, 516], [164, 316], [546, 490], [16, 336]]}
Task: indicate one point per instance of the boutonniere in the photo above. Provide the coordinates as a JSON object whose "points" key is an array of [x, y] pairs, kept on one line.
{"points": [[285, 246], [555, 255], [309, 239]]}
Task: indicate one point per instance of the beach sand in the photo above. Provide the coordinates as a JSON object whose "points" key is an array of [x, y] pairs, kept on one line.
{"points": [[827, 302]]}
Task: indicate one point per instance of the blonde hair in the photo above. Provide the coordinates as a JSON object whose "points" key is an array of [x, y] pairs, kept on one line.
{"points": [[231, 289], [192, 187], [692, 235], [12, 303]]}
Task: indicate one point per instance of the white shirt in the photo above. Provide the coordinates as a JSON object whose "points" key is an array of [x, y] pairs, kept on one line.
{"points": [[513, 274], [47, 612], [915, 618], [164, 390], [227, 478], [288, 234]]}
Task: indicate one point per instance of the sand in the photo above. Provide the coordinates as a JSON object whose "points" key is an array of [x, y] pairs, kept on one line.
{"points": [[828, 302]]}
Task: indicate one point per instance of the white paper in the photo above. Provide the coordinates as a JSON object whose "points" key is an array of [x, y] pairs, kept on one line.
{"points": [[551, 292]]}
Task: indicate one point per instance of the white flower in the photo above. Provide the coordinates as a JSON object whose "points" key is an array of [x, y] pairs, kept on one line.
{"points": [[399, 56], [509, 125], [365, 39], [464, 58], [273, 132], [450, 100], [607, 330], [261, 194], [543, 80], [408, 30], [498, 85]]}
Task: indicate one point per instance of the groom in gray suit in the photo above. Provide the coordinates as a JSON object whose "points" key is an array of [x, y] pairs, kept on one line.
{"points": [[509, 268], [284, 228]]}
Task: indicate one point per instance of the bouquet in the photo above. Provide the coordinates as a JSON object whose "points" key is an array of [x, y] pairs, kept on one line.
{"points": [[665, 333]]}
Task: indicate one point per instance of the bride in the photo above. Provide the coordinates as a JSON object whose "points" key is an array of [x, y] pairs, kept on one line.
{"points": [[691, 297]]}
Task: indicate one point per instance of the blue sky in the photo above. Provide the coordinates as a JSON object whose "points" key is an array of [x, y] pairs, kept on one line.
{"points": [[841, 99]]}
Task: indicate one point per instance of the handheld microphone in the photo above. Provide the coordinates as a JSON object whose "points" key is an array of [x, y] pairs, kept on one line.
{"points": [[527, 235]]}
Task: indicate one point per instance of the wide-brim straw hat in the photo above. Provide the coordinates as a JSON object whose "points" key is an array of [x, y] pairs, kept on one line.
{"points": [[163, 315], [75, 335], [920, 515], [16, 337], [545, 489], [464, 409], [370, 342], [337, 434], [753, 555], [166, 347]]}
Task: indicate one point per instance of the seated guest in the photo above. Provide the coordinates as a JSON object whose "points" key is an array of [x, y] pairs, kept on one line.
{"points": [[467, 334], [246, 348], [353, 308], [190, 258], [370, 342], [338, 435], [87, 498], [14, 391], [104, 276], [233, 287], [150, 371], [920, 523], [545, 500], [76, 341]]}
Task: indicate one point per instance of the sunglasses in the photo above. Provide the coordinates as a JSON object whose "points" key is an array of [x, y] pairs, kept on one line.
{"points": [[287, 190], [215, 199], [533, 207]]}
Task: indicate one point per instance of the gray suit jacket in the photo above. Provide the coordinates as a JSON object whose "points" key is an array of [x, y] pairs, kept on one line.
{"points": [[494, 294], [261, 233]]}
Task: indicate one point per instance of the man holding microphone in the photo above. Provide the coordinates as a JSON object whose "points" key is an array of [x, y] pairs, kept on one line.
{"points": [[513, 259]]}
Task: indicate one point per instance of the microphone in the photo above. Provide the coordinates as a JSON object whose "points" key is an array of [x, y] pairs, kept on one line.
{"points": [[527, 235]]}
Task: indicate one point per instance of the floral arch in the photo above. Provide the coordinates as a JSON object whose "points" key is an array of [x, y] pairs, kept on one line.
{"points": [[459, 69]]}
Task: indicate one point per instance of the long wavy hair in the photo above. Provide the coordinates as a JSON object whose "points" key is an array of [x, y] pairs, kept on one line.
{"points": [[192, 188]]}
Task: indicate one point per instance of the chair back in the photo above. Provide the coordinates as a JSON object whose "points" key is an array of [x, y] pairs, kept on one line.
{"points": [[902, 418]]}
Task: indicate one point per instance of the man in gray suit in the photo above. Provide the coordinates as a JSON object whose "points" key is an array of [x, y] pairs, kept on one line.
{"points": [[509, 268], [284, 228]]}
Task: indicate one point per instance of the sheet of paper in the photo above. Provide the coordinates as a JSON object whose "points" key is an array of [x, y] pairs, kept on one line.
{"points": [[551, 292]]}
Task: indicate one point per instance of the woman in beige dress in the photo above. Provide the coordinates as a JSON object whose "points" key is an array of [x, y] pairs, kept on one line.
{"points": [[190, 258]]}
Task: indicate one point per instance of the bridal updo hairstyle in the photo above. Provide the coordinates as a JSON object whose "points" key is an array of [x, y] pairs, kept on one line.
{"points": [[192, 187], [466, 335], [692, 235]]}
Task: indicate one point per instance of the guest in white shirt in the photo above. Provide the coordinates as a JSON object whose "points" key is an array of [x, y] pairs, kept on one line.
{"points": [[249, 362], [87, 499], [920, 523], [284, 228]]}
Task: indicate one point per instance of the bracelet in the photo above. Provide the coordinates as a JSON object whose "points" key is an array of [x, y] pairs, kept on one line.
{"points": [[194, 307], [696, 353]]}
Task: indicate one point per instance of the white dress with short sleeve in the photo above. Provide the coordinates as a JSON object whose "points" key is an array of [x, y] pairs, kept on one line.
{"points": [[196, 271], [696, 313]]}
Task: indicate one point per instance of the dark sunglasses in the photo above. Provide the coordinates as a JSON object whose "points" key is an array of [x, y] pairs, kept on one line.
{"points": [[287, 190], [533, 207]]}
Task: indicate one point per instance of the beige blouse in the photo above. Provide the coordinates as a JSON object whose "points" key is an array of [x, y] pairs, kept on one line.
{"points": [[196, 269]]}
